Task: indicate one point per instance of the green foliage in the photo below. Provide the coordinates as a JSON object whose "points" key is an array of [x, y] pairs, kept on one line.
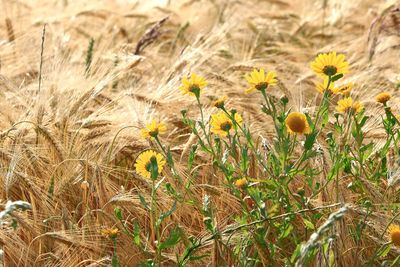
{"points": [[278, 183]]}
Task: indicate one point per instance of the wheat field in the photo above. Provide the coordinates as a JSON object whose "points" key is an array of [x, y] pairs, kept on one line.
{"points": [[80, 79]]}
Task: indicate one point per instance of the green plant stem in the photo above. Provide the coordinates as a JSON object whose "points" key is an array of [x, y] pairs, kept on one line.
{"points": [[115, 257], [202, 126], [248, 138], [170, 161], [153, 210]]}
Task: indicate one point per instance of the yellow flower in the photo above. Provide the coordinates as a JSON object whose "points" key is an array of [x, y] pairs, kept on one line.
{"points": [[321, 87], [296, 122], [144, 162], [193, 86], [383, 97], [394, 233], [259, 81], [344, 89], [220, 103], [111, 233], [221, 124], [347, 104], [153, 129], [240, 183], [330, 64]]}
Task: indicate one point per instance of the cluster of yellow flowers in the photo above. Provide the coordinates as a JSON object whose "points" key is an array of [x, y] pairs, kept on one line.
{"points": [[325, 65], [329, 66]]}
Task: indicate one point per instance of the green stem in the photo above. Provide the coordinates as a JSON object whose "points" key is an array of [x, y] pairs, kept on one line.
{"points": [[153, 210], [115, 257], [170, 161], [248, 138], [202, 126]]}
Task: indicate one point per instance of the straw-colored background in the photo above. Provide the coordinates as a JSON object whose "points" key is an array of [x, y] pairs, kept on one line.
{"points": [[59, 137]]}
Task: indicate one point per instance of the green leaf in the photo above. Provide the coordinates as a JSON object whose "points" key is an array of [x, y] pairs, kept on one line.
{"points": [[363, 121], [244, 163], [170, 160], [367, 147], [310, 140], [336, 77], [143, 201], [384, 251], [166, 214], [325, 117], [136, 233], [396, 261], [153, 168], [296, 253], [287, 231], [269, 184], [192, 154], [118, 213], [308, 224], [172, 240]]}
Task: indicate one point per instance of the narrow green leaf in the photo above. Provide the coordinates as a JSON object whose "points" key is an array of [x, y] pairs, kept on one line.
{"points": [[384, 251], [308, 224], [172, 240], [118, 213], [144, 203], [192, 155], [166, 214], [337, 77], [136, 233]]}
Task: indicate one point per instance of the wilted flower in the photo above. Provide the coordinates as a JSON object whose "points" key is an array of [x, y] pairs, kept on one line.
{"points": [[383, 97], [111, 233]]}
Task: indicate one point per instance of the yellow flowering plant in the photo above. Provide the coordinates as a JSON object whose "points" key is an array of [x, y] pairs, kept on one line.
{"points": [[275, 180], [153, 129]]}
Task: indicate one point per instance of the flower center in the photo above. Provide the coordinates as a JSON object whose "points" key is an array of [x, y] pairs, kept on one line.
{"points": [[262, 86], [396, 238], [329, 70], [226, 126], [297, 125]]}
